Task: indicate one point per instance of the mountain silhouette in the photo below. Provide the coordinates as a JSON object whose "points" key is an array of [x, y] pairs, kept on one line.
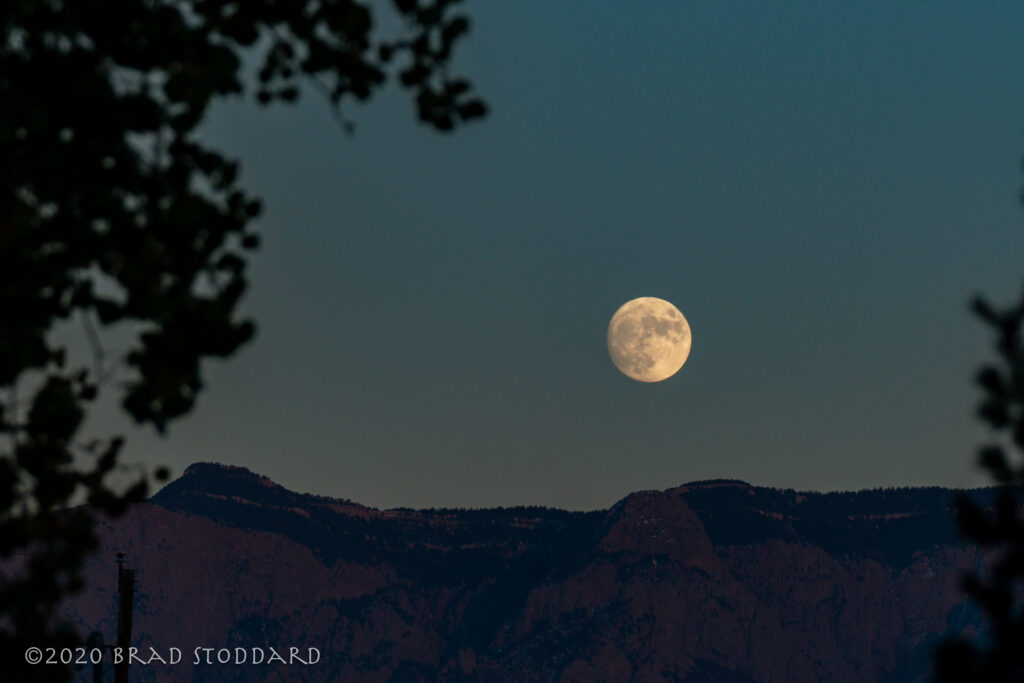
{"points": [[710, 581]]}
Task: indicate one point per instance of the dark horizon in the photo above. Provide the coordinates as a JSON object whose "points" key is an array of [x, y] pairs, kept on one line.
{"points": [[701, 483], [723, 583]]}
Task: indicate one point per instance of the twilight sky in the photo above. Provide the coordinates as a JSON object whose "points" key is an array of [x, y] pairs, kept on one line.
{"points": [[820, 187]]}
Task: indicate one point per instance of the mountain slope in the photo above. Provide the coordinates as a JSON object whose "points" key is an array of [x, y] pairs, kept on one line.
{"points": [[711, 581]]}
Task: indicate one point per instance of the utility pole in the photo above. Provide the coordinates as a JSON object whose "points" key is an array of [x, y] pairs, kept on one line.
{"points": [[126, 594]]}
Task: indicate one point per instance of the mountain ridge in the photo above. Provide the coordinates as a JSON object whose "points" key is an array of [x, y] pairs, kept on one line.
{"points": [[730, 510], [714, 580]]}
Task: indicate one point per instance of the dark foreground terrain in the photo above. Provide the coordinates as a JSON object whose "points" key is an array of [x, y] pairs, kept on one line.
{"points": [[711, 581]]}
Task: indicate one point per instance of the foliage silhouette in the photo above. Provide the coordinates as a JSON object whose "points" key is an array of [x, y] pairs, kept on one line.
{"points": [[996, 655], [113, 216]]}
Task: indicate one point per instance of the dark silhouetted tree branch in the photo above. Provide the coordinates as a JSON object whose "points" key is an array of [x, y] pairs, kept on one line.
{"points": [[997, 655], [112, 211]]}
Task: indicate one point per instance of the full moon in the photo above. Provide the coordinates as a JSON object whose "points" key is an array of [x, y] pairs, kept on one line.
{"points": [[648, 339]]}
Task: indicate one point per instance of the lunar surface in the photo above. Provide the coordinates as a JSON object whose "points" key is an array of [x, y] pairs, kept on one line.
{"points": [[648, 339]]}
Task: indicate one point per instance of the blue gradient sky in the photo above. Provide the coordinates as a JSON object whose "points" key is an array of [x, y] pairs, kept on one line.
{"points": [[819, 187]]}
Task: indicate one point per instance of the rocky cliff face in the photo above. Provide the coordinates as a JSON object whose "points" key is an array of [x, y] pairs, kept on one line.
{"points": [[713, 581]]}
